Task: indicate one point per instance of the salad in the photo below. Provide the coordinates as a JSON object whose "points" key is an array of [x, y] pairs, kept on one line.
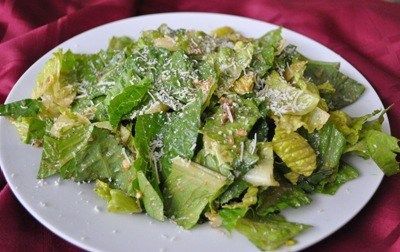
{"points": [[198, 127]]}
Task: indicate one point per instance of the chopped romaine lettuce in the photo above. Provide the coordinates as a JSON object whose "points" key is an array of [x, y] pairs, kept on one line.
{"points": [[346, 89], [275, 199], [180, 134], [383, 149], [269, 234], [128, 99], [23, 108], [189, 126], [117, 200], [345, 173], [151, 199], [295, 151], [189, 188]]}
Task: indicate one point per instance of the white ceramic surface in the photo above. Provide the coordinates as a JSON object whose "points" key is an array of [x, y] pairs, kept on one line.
{"points": [[68, 209]]}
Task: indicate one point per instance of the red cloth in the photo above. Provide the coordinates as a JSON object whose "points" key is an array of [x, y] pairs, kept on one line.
{"points": [[365, 32]]}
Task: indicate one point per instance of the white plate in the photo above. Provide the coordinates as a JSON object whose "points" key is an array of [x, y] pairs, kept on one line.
{"points": [[68, 209]]}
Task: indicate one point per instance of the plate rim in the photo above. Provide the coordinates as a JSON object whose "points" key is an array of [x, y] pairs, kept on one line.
{"points": [[83, 245]]}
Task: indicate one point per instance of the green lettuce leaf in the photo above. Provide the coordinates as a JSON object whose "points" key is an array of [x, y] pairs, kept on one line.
{"points": [[347, 90], [265, 51], [128, 99], [30, 129], [283, 98], [275, 199], [180, 134], [101, 158], [151, 199], [120, 43], [190, 187], [233, 191], [58, 152], [383, 149], [330, 144], [295, 151], [212, 162], [232, 62], [23, 108], [244, 115], [147, 133], [230, 216], [269, 234], [350, 127], [345, 173], [117, 200], [55, 84], [231, 213]]}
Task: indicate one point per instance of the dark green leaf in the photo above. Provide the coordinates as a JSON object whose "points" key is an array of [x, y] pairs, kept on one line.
{"points": [[23, 108], [345, 173], [347, 90], [233, 191], [275, 199], [180, 134], [127, 100]]}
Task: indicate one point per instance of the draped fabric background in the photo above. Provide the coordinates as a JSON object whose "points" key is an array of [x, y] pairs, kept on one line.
{"points": [[365, 32]]}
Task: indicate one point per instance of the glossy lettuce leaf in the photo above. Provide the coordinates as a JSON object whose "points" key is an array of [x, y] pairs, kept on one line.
{"points": [[295, 151], [117, 200], [347, 90], [344, 174], [383, 149], [102, 158], [275, 199], [230, 216], [148, 143], [269, 234], [65, 121], [249, 199], [247, 158], [128, 99], [87, 153], [189, 188], [211, 161], [151, 198], [175, 80], [23, 108], [180, 134], [330, 144]]}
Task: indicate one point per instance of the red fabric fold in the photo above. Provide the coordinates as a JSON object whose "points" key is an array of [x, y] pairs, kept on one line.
{"points": [[365, 32]]}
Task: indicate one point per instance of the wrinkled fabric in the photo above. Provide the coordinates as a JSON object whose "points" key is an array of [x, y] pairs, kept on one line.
{"points": [[364, 32]]}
